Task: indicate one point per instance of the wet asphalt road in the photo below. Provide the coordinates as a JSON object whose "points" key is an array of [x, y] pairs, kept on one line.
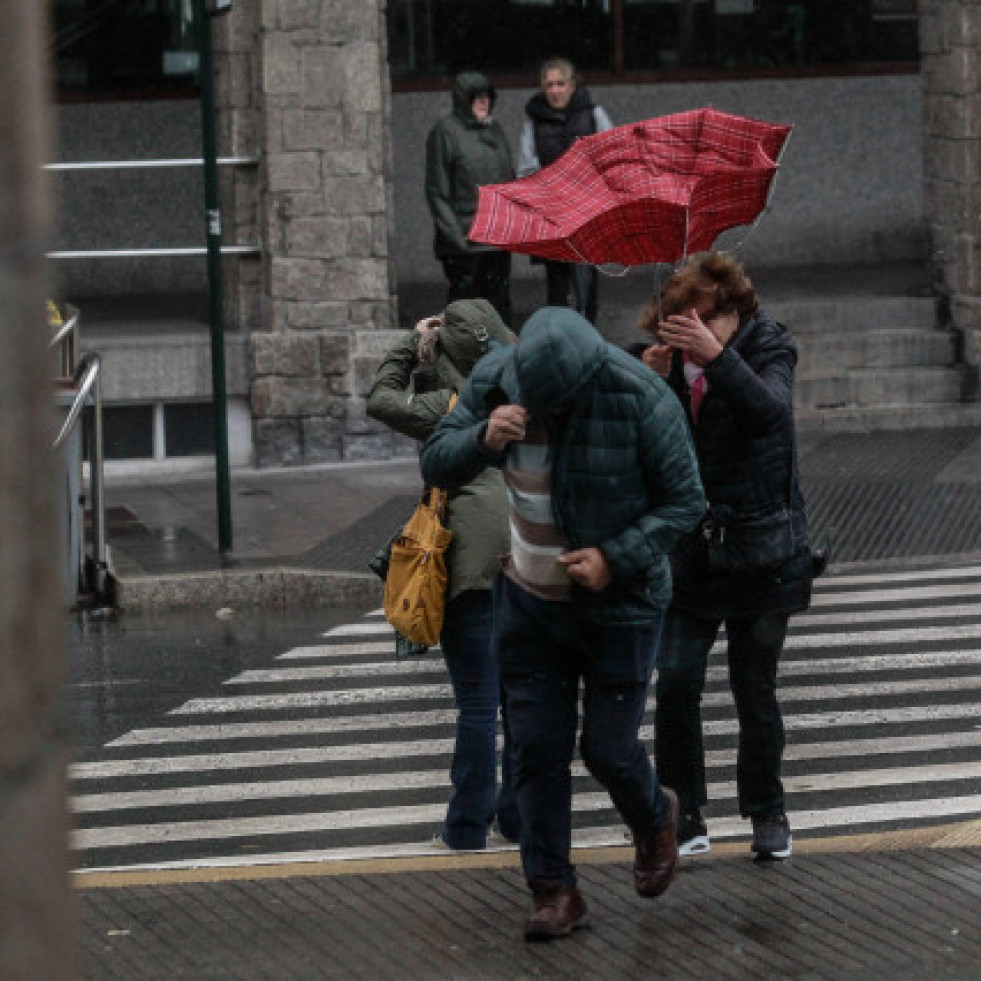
{"points": [[129, 672]]}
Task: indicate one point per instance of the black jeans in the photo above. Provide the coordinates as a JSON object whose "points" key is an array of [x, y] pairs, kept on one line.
{"points": [[481, 275], [581, 279], [754, 647], [544, 649]]}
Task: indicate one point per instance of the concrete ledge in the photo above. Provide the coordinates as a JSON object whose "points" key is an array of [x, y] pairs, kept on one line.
{"points": [[266, 588]]}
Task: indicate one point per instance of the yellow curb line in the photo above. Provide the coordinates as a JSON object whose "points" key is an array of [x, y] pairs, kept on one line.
{"points": [[965, 834]]}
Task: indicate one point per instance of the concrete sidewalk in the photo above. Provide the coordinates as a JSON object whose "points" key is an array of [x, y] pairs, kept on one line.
{"points": [[305, 535], [899, 906]]}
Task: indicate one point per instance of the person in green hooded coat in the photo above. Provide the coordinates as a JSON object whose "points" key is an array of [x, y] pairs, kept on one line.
{"points": [[449, 346], [465, 149]]}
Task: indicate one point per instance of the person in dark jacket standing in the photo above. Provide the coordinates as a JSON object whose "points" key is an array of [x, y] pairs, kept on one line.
{"points": [[749, 564], [602, 481], [556, 117], [476, 513], [465, 149]]}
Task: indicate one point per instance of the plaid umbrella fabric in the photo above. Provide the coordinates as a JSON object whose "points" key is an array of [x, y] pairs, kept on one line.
{"points": [[646, 192]]}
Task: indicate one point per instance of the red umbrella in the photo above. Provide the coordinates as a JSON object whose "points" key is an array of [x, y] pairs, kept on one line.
{"points": [[642, 193]]}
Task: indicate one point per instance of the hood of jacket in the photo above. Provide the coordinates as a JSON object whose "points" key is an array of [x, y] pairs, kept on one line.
{"points": [[557, 353], [470, 329], [466, 86], [538, 107]]}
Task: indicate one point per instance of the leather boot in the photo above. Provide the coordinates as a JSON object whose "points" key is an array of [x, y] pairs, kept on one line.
{"points": [[656, 854], [556, 911]]}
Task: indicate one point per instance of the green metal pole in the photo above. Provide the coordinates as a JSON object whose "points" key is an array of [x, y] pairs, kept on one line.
{"points": [[215, 297]]}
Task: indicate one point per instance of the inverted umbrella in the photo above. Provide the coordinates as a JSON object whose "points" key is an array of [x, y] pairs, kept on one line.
{"points": [[646, 192]]}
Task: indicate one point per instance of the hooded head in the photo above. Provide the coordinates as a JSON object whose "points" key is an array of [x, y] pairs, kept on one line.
{"points": [[557, 353], [466, 87], [469, 329]]}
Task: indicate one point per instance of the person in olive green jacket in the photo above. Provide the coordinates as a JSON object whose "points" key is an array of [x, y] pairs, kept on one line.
{"points": [[465, 149], [477, 515]]}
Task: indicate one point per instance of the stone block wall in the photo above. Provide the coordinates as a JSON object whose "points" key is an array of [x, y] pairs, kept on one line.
{"points": [[950, 43], [304, 83]]}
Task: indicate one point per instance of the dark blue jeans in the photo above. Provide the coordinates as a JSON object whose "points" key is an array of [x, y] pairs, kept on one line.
{"points": [[544, 650], [754, 647], [466, 643]]}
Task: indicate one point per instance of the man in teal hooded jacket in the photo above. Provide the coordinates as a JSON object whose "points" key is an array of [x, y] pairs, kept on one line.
{"points": [[602, 481], [465, 149]]}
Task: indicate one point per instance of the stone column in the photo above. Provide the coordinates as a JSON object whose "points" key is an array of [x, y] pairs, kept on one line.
{"points": [[950, 45], [317, 110], [36, 913]]}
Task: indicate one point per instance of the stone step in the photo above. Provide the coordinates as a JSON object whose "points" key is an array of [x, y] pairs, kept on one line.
{"points": [[857, 313], [877, 349], [861, 388], [888, 417]]}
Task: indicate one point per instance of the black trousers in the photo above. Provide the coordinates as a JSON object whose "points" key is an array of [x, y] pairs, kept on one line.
{"points": [[579, 279], [481, 275], [754, 647]]}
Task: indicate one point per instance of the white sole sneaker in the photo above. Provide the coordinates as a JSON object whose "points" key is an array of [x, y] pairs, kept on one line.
{"points": [[699, 845], [778, 856]]}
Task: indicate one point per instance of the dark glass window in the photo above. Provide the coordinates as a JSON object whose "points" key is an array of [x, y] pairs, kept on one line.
{"points": [[127, 432], [189, 428], [441, 37], [124, 47]]}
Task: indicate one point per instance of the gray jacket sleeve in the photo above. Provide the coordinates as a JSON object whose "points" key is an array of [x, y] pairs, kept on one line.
{"points": [[528, 161]]}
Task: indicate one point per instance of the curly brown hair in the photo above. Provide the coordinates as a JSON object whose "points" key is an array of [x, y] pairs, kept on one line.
{"points": [[711, 275]]}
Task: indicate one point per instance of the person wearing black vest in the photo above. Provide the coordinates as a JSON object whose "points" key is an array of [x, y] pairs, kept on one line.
{"points": [[558, 116]]}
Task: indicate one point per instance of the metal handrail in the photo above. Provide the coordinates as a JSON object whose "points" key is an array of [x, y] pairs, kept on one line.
{"points": [[89, 367], [151, 164], [152, 253], [67, 338], [86, 378]]}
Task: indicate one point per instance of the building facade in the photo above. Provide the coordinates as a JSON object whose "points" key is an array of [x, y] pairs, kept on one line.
{"points": [[326, 104]]}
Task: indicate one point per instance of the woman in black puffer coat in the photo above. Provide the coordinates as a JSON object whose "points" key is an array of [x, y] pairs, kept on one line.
{"points": [[749, 564]]}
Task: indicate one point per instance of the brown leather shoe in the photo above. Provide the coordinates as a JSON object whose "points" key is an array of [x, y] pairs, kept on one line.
{"points": [[656, 854], [556, 911]]}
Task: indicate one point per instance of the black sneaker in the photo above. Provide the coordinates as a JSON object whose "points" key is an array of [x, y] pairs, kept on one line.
{"points": [[693, 836], [771, 837]]}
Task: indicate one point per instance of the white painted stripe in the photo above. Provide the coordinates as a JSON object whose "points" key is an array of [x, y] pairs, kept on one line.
{"points": [[367, 696], [383, 817], [878, 616], [386, 647], [908, 661], [310, 699], [360, 630], [832, 582], [272, 730], [865, 638], [365, 723], [439, 778], [359, 752], [425, 666], [860, 717], [325, 672], [902, 595], [227, 793]]}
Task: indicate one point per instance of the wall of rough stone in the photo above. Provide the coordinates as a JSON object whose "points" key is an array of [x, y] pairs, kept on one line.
{"points": [[36, 913], [307, 82], [950, 43]]}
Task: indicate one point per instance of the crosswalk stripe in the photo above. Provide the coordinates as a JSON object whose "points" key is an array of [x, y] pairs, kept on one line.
{"points": [[359, 752], [415, 814], [427, 779], [886, 662], [366, 723], [401, 693], [881, 628]]}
